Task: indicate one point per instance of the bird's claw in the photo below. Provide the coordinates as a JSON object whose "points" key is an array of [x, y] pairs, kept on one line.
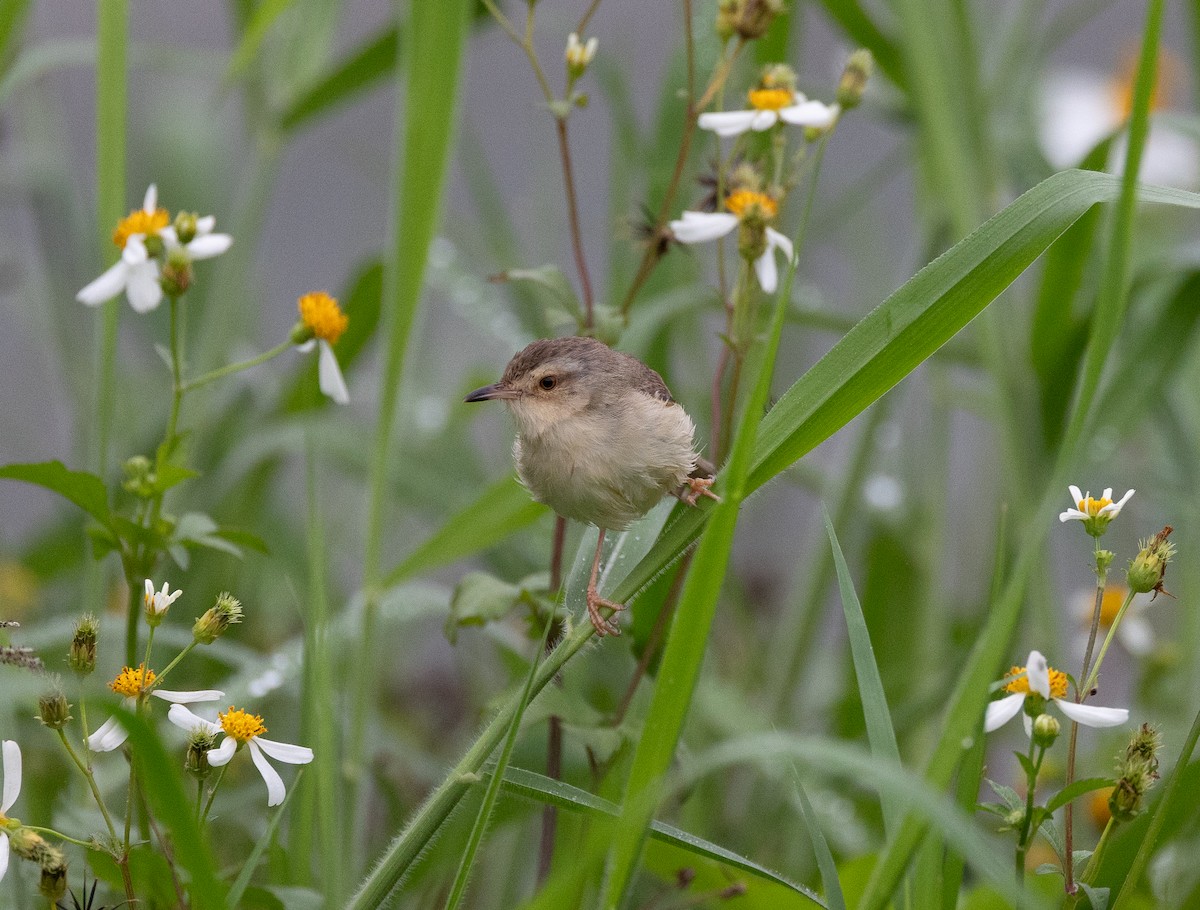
{"points": [[697, 487], [603, 626]]}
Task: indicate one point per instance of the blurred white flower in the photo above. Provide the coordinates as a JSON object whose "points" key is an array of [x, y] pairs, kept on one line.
{"points": [[12, 789], [1037, 679], [322, 323], [203, 243], [1080, 108], [1135, 633], [136, 272], [242, 727]]}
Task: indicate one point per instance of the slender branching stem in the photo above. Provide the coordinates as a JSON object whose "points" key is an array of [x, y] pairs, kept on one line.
{"points": [[212, 794], [87, 844], [171, 666], [231, 368], [91, 781]]}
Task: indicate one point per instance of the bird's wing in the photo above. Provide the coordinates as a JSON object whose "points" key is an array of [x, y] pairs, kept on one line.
{"points": [[648, 381]]}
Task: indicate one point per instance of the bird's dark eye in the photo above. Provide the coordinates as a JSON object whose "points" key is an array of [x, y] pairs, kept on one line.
{"points": [[547, 382]]}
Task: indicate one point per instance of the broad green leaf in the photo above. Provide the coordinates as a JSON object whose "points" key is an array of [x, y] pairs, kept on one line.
{"points": [[564, 796], [478, 599], [1076, 790], [83, 489], [880, 733], [503, 507], [363, 69]]}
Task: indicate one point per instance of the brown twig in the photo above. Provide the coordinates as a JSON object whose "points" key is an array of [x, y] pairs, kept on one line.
{"points": [[554, 732], [585, 282]]}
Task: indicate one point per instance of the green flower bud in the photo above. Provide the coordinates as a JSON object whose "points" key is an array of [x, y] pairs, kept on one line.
{"points": [[748, 18], [1045, 730], [53, 883], [176, 274], [854, 78], [82, 655], [185, 226], [139, 476], [53, 710], [195, 760], [217, 619], [1148, 568]]}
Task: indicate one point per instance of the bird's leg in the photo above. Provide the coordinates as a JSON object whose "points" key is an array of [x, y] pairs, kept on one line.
{"points": [[694, 488], [595, 601]]}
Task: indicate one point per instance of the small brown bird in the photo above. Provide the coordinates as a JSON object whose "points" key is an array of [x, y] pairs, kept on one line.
{"points": [[599, 440]]}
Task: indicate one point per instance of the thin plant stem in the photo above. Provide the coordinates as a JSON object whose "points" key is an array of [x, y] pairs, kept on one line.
{"points": [[1027, 835], [554, 722], [212, 794], [1098, 854], [585, 282], [133, 616], [91, 780], [171, 666], [586, 17], [232, 368], [146, 662], [176, 372], [87, 844], [1094, 676], [1080, 695]]}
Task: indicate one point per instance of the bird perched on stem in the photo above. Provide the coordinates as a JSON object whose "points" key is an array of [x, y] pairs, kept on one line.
{"points": [[599, 440]]}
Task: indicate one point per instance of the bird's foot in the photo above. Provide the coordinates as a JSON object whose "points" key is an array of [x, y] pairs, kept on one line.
{"points": [[603, 626], [697, 487]]}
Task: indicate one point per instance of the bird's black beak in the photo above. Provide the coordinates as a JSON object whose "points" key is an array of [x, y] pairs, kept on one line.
{"points": [[490, 392]]}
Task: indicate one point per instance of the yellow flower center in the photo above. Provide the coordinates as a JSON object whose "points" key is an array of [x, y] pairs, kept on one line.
{"points": [[744, 202], [1162, 94], [1058, 682], [240, 725], [131, 682], [321, 313], [770, 99], [1093, 506], [140, 222]]}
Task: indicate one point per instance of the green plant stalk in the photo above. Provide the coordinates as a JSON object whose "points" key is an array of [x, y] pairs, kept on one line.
{"points": [[1026, 836], [1112, 299], [212, 794], [690, 627], [86, 844], [1097, 857], [112, 24], [1112, 630], [1150, 838], [459, 887], [232, 368], [91, 781], [171, 666], [426, 105]]}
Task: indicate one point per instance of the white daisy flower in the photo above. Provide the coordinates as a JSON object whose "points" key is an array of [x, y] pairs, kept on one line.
{"points": [[130, 683], [774, 100], [204, 244], [12, 789], [323, 322], [1080, 108], [136, 272], [700, 227], [242, 727], [1038, 680], [158, 602], [1094, 513]]}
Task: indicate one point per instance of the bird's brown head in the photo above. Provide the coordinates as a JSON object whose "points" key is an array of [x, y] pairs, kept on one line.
{"points": [[553, 380]]}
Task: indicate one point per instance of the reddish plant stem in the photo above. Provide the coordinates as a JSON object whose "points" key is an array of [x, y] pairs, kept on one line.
{"points": [[585, 281], [554, 732], [1068, 815]]}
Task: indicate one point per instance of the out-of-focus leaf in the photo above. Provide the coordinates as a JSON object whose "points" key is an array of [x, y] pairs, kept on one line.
{"points": [[480, 598], [565, 307], [370, 64], [862, 29], [503, 507], [565, 796], [85, 490], [252, 38], [1076, 790]]}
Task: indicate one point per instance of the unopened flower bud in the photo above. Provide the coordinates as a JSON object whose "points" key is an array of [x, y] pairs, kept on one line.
{"points": [[1147, 569], [1015, 819], [28, 845], [579, 54], [53, 883], [1138, 771], [854, 78], [195, 760], [82, 654], [176, 274], [154, 246], [1045, 730], [53, 710], [749, 19], [185, 226], [157, 603], [217, 619], [139, 476]]}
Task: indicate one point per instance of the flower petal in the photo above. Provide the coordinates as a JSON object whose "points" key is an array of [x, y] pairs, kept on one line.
{"points": [[329, 374], [209, 245], [223, 753], [1114, 508], [150, 200], [275, 788], [1037, 671], [764, 120], [205, 225], [143, 290], [700, 227], [1136, 634], [1093, 715], [1002, 711], [764, 268], [108, 736], [727, 123], [781, 241], [1076, 495], [1073, 515], [810, 113], [285, 752], [3, 854], [12, 775], [188, 720], [187, 698], [106, 287]]}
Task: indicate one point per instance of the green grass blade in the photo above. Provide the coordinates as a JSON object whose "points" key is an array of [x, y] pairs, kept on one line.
{"points": [[862, 29], [825, 863], [173, 809], [501, 509], [564, 796], [242, 882], [253, 36], [362, 70], [880, 732]]}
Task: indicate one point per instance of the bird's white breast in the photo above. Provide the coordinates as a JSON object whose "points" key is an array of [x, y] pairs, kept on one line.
{"points": [[610, 466]]}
